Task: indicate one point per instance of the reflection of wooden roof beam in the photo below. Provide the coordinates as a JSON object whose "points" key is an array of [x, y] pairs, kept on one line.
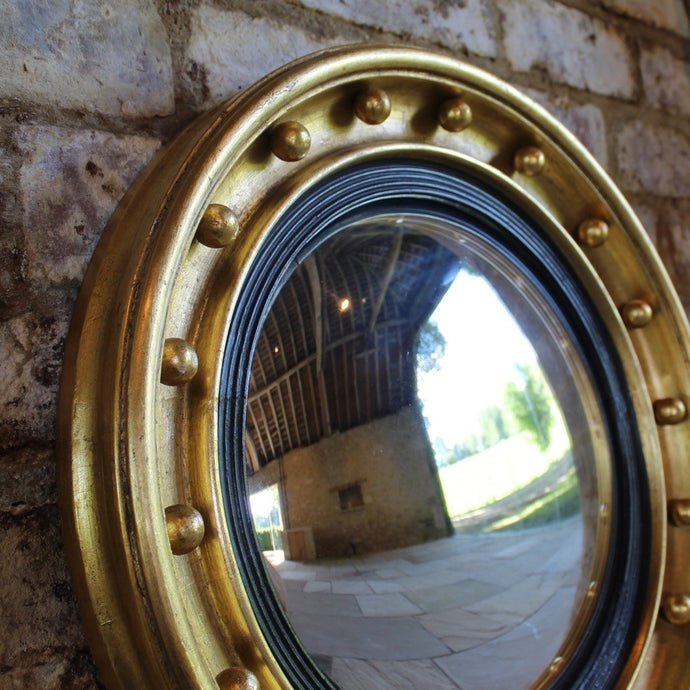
{"points": [[391, 260], [268, 436], [305, 348], [284, 377], [393, 323], [285, 417], [430, 293], [257, 431], [278, 434], [317, 294], [252, 455]]}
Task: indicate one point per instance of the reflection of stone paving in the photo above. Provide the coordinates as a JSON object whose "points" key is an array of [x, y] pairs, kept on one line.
{"points": [[476, 612]]}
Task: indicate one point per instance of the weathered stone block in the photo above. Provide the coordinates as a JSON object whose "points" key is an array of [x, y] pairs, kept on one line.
{"points": [[31, 347], [653, 159], [12, 288], [70, 183], [229, 51], [586, 122], [457, 25], [83, 54], [673, 244], [36, 598], [648, 216], [666, 225], [666, 80], [665, 14], [570, 46], [58, 673], [27, 480]]}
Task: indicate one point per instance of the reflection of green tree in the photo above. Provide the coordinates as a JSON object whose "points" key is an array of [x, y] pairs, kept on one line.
{"points": [[531, 406], [431, 346], [493, 427], [449, 456], [528, 408]]}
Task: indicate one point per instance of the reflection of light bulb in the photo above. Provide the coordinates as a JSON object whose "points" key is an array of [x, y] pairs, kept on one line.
{"points": [[344, 304]]}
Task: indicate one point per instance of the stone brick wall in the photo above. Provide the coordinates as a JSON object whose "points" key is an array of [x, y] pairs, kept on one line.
{"points": [[89, 90]]}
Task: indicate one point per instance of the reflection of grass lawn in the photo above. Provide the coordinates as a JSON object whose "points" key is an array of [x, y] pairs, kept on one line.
{"points": [[558, 504], [496, 473]]}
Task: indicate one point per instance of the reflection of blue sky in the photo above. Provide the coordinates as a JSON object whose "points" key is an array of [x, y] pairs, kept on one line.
{"points": [[483, 344]]}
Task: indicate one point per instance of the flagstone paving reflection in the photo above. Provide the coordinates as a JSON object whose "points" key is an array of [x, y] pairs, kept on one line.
{"points": [[475, 612]]}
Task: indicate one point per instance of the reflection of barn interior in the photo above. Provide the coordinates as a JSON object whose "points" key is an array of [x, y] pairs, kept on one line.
{"points": [[334, 430], [333, 419]]}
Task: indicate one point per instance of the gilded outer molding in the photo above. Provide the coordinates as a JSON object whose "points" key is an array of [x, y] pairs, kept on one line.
{"points": [[169, 266]]}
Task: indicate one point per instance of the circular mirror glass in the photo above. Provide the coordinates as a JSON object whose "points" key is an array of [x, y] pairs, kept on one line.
{"points": [[426, 461]]}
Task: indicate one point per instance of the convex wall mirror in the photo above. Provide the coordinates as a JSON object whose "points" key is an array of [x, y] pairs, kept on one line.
{"points": [[375, 380]]}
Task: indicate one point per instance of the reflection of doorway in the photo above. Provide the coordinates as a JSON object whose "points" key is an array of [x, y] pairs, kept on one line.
{"points": [[267, 518], [502, 448]]}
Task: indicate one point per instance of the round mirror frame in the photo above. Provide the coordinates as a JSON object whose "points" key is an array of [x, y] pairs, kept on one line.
{"points": [[162, 596]]}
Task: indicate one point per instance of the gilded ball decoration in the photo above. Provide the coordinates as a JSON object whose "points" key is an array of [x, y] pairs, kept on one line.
{"points": [[679, 512], [556, 664], [237, 679], [185, 528], [670, 411], [636, 313], [180, 362], [290, 141], [454, 115], [218, 226], [372, 106], [592, 232], [676, 609], [529, 161]]}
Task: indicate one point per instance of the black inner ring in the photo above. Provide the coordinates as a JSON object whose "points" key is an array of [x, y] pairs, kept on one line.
{"points": [[398, 186]]}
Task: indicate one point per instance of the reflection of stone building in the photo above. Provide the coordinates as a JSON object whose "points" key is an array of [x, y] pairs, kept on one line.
{"points": [[333, 416], [364, 490]]}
